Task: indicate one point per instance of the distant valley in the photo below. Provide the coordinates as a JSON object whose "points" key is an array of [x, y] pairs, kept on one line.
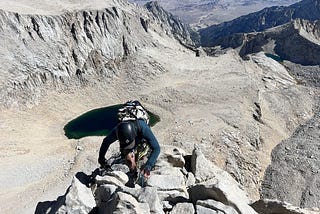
{"points": [[205, 13]]}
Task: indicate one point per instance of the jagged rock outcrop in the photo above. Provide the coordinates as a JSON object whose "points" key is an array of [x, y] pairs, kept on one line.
{"points": [[214, 191], [182, 32], [60, 50], [233, 134], [73, 48], [297, 41], [259, 21], [276, 207]]}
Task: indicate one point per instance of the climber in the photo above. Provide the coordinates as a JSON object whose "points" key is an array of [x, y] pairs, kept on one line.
{"points": [[131, 134]]}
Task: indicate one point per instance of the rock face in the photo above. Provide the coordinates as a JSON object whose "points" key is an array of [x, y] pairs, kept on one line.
{"points": [[259, 21], [180, 31], [297, 41], [58, 51], [273, 206], [296, 158], [295, 44], [165, 191]]}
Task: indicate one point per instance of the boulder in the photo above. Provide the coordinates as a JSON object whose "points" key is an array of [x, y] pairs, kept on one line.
{"points": [[161, 182], [103, 196], [171, 156], [100, 180], [202, 168], [214, 183], [79, 199], [216, 206], [190, 179], [120, 167], [161, 176], [126, 203], [121, 176], [267, 206], [173, 196], [205, 210], [185, 208], [146, 195]]}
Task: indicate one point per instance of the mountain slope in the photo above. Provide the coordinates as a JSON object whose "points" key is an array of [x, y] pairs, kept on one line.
{"points": [[71, 48], [261, 20], [57, 66]]}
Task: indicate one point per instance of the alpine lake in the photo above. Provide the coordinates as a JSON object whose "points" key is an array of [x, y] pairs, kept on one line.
{"points": [[98, 122], [274, 57]]}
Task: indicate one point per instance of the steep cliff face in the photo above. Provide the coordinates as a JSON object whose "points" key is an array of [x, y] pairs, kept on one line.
{"points": [[297, 41], [57, 51], [301, 44], [67, 49], [174, 26], [309, 30]]}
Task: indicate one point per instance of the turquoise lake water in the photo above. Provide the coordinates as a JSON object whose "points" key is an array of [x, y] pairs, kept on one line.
{"points": [[275, 57], [98, 122]]}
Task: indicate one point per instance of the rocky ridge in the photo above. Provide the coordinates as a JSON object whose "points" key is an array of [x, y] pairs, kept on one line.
{"points": [[195, 186], [295, 45], [201, 13], [297, 42], [259, 21], [59, 51], [182, 32]]}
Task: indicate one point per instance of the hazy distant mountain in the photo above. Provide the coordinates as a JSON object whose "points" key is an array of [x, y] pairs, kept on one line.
{"points": [[207, 12], [259, 21]]}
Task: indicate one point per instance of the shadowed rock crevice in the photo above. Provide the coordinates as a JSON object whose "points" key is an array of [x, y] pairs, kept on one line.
{"points": [[144, 24], [36, 27], [87, 20]]}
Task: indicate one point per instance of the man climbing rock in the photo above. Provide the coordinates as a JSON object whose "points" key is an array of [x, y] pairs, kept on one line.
{"points": [[136, 142]]}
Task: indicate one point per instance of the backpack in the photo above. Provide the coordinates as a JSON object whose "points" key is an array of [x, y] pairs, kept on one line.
{"points": [[133, 110]]}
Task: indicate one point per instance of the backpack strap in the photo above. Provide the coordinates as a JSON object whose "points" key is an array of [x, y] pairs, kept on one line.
{"points": [[139, 129]]}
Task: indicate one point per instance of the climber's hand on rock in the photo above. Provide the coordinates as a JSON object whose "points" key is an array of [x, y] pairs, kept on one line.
{"points": [[146, 173]]}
